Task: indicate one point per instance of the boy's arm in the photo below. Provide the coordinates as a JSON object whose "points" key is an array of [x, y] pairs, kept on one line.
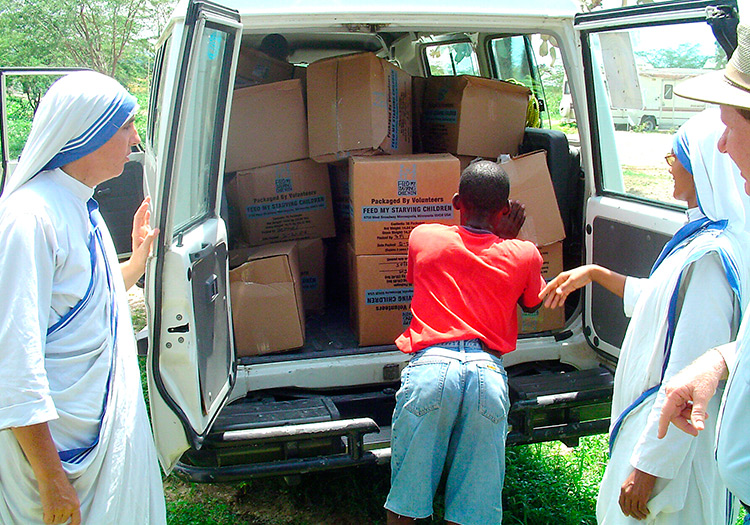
{"points": [[529, 309], [529, 300]]}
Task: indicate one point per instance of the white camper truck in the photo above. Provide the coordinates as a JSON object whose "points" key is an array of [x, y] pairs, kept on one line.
{"points": [[228, 401], [660, 107]]}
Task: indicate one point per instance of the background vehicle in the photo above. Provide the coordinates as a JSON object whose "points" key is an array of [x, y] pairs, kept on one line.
{"points": [[328, 404], [660, 108]]}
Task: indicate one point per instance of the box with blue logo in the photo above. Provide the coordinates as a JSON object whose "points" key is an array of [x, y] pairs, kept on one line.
{"points": [[379, 297], [391, 194], [358, 105], [467, 115], [283, 202]]}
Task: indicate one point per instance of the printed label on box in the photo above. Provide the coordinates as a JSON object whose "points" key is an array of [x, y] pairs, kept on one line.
{"points": [[407, 180], [286, 207], [389, 296], [441, 115], [309, 282], [400, 213], [393, 112]]}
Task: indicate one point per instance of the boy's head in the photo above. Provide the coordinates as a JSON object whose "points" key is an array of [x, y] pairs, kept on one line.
{"points": [[482, 192]]}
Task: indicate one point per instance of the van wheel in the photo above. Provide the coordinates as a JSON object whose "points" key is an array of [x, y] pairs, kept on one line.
{"points": [[648, 123]]}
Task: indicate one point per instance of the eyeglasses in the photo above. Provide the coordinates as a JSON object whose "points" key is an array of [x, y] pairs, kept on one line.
{"points": [[670, 158]]}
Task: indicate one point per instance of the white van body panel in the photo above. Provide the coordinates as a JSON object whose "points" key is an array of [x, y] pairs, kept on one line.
{"points": [[415, 23]]}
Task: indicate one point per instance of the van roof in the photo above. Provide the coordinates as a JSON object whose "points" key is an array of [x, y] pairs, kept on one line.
{"points": [[290, 11]]}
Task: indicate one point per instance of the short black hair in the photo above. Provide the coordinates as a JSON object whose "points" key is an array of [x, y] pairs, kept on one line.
{"points": [[485, 186]]}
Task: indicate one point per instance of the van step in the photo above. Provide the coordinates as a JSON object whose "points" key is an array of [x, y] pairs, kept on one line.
{"points": [[271, 413], [560, 406], [547, 388]]}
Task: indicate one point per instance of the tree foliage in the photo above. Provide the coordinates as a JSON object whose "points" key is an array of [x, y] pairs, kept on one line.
{"points": [[683, 56], [113, 37]]}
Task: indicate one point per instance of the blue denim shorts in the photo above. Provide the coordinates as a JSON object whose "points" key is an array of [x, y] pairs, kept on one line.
{"points": [[451, 415]]}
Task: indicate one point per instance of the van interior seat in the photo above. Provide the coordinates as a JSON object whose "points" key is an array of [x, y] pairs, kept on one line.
{"points": [[564, 166]]}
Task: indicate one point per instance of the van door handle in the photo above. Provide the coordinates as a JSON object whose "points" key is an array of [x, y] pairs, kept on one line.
{"points": [[212, 287]]}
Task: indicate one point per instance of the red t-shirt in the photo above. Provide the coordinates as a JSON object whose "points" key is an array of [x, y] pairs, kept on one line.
{"points": [[467, 285]]}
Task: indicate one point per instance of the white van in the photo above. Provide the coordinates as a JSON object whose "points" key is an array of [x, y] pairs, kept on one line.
{"points": [[328, 404]]}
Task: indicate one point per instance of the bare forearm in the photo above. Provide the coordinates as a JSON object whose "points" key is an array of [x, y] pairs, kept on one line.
{"points": [[58, 497], [39, 449], [612, 281], [131, 272]]}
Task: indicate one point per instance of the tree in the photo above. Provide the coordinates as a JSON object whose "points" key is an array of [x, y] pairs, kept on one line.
{"points": [[113, 37], [684, 56]]}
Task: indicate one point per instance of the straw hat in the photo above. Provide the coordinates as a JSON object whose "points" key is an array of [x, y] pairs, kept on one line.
{"points": [[730, 87]]}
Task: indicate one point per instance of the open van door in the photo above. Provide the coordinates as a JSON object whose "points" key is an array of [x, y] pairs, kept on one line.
{"points": [[632, 213], [191, 361]]}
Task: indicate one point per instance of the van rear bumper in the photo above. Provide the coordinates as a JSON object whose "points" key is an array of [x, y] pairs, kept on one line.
{"points": [[562, 407]]}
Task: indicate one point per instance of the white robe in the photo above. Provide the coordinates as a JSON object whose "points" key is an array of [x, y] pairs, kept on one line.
{"points": [[689, 489], [61, 378]]}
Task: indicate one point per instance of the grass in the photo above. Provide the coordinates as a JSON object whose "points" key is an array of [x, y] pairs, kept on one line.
{"points": [[651, 183], [545, 483]]}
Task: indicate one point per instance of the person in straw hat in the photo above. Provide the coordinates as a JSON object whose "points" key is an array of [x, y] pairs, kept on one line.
{"points": [[75, 442], [689, 392]]}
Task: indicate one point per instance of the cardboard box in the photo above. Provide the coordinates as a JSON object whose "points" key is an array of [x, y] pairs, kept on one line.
{"points": [[267, 125], [380, 297], [255, 67], [267, 311], [418, 87], [390, 195], [531, 184], [545, 319], [468, 115], [358, 105], [312, 257], [342, 215], [283, 202]]}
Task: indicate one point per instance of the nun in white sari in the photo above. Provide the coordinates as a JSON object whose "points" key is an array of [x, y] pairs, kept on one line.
{"points": [[692, 301], [67, 351]]}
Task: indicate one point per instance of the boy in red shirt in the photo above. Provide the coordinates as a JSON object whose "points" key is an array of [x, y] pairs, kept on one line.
{"points": [[452, 408]]}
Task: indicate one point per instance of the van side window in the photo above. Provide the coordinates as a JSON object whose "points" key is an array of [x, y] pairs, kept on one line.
{"points": [[640, 68], [199, 150], [157, 91], [530, 60], [456, 58]]}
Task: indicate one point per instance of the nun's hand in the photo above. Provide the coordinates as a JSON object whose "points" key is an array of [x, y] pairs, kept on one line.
{"points": [[142, 239], [635, 493]]}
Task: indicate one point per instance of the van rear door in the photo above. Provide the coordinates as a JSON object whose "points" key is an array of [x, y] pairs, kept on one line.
{"points": [[633, 212], [191, 362]]}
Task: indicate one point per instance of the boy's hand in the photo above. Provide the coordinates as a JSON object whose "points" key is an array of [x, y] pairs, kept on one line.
{"points": [[558, 289], [510, 223]]}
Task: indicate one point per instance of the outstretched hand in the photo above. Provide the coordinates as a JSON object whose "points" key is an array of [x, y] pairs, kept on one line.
{"points": [[142, 238], [510, 223], [558, 289]]}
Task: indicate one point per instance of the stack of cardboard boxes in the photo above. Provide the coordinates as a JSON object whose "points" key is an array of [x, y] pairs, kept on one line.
{"points": [[365, 154], [283, 199]]}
